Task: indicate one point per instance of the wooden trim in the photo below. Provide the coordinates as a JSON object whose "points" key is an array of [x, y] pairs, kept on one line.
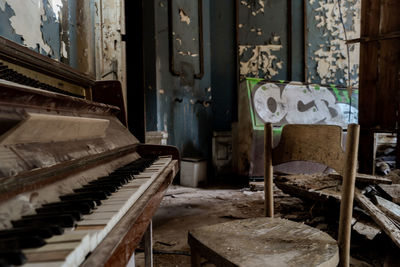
{"points": [[30, 59], [13, 94]]}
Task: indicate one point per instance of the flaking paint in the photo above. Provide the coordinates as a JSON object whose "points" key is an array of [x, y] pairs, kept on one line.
{"points": [[261, 60], [327, 55]]}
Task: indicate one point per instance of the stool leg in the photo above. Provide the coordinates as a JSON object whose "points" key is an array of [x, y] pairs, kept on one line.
{"points": [[148, 245], [195, 258]]}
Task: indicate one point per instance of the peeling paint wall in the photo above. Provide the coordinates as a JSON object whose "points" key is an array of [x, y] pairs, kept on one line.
{"points": [[110, 50], [327, 58], [175, 103], [260, 60], [83, 34], [37, 24], [262, 39], [223, 64], [272, 49]]}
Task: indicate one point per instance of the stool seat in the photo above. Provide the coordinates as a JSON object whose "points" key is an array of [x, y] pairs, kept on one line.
{"points": [[264, 242]]}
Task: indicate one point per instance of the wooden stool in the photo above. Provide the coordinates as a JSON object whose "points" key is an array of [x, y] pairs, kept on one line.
{"points": [[264, 242]]}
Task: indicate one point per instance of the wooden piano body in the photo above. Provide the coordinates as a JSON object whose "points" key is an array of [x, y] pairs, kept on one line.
{"points": [[52, 143]]}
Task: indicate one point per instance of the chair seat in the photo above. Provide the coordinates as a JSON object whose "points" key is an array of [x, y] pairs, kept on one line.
{"points": [[264, 242]]}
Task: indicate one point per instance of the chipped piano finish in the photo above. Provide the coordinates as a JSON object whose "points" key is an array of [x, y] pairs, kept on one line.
{"points": [[37, 170]]}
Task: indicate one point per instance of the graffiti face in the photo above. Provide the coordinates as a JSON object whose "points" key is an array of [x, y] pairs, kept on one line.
{"points": [[298, 103]]}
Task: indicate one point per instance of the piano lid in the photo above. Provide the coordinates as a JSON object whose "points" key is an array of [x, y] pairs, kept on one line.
{"points": [[24, 66], [43, 130]]}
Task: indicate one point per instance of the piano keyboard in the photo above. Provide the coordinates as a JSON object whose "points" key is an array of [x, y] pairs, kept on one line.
{"points": [[103, 202]]}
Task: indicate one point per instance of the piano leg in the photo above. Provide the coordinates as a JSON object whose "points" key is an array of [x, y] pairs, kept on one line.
{"points": [[148, 245]]}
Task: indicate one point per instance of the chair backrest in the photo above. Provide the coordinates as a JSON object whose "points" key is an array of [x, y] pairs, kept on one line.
{"points": [[322, 144]]}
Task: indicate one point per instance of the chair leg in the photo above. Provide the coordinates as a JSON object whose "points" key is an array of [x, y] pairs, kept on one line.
{"points": [[195, 258]]}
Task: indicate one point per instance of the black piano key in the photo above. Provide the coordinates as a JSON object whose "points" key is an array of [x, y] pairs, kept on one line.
{"points": [[83, 208], [123, 175], [112, 179], [21, 242], [57, 230], [75, 214], [13, 257], [78, 204], [107, 182], [59, 220], [94, 188], [110, 188], [43, 232], [95, 196]]}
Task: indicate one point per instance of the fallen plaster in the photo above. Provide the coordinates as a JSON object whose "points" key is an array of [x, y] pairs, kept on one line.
{"points": [[262, 60], [332, 55], [184, 18]]}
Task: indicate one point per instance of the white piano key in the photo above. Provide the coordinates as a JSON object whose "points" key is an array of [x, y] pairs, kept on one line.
{"points": [[67, 237], [141, 176], [53, 247], [93, 222], [99, 215], [108, 208]]}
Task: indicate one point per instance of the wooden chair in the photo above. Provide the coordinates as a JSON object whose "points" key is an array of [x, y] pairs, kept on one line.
{"points": [[269, 241]]}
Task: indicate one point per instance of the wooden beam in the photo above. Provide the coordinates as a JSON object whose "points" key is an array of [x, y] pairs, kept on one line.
{"points": [[391, 191], [364, 178], [388, 207], [379, 217]]}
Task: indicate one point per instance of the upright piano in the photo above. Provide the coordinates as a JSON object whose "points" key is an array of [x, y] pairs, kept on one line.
{"points": [[76, 187]]}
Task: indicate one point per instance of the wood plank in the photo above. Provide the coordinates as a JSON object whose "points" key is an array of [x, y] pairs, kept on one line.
{"points": [[388, 85], [316, 187], [368, 80], [391, 191], [379, 217], [368, 75], [388, 207], [365, 178]]}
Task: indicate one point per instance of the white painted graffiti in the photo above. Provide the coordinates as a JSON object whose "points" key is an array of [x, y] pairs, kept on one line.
{"points": [[298, 103]]}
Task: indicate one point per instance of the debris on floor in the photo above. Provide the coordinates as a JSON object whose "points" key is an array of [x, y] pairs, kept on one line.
{"points": [[187, 208]]}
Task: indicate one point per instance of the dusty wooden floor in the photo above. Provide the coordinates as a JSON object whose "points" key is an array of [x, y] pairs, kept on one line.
{"points": [[185, 208]]}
